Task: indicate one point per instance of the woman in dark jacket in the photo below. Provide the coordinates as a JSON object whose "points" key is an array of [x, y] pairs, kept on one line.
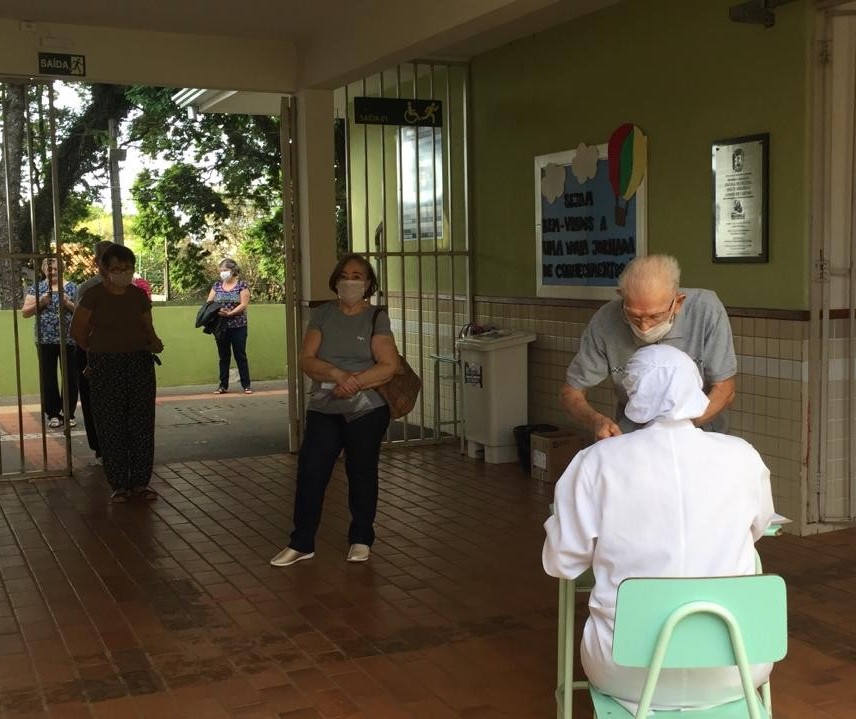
{"points": [[233, 294]]}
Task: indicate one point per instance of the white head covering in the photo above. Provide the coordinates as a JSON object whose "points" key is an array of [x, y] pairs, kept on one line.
{"points": [[663, 383]]}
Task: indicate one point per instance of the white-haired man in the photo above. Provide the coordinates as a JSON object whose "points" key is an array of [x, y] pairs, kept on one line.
{"points": [[665, 501], [652, 308]]}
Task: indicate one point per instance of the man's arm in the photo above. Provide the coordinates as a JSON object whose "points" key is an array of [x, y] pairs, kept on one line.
{"points": [[721, 395], [574, 402], [719, 360]]}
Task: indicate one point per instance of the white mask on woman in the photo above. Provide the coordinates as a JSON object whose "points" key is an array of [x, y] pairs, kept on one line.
{"points": [[351, 291], [225, 274], [122, 279]]}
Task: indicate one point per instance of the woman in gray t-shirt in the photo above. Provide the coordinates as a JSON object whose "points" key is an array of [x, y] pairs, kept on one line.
{"points": [[348, 349]]}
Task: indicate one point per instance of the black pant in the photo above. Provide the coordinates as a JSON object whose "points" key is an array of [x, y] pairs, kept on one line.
{"points": [[326, 435], [49, 360], [86, 403], [123, 402], [234, 340]]}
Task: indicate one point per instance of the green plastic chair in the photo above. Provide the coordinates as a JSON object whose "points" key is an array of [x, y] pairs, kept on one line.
{"points": [[692, 623], [566, 646], [567, 605], [568, 588]]}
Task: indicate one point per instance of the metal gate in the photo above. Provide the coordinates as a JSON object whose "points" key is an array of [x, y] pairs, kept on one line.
{"points": [[832, 345], [407, 211], [28, 235]]}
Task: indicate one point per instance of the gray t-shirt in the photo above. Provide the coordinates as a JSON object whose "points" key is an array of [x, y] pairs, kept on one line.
{"points": [[701, 329], [86, 284], [346, 344]]}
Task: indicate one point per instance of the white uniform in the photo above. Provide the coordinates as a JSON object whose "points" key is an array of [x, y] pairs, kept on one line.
{"points": [[668, 500]]}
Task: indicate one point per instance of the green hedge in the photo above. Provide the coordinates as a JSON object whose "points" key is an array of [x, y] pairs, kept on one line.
{"points": [[189, 356]]}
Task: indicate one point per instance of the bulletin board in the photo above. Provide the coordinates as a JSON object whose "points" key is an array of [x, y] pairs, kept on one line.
{"points": [[590, 217]]}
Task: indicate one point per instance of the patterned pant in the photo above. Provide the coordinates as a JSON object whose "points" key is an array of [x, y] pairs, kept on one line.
{"points": [[123, 403]]}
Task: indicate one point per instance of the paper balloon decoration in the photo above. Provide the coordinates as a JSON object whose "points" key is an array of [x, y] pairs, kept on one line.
{"points": [[627, 161]]}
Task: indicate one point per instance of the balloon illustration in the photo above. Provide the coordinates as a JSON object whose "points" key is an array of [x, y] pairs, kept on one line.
{"points": [[627, 158]]}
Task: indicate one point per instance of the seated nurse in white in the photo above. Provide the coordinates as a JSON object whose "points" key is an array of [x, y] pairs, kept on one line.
{"points": [[668, 500]]}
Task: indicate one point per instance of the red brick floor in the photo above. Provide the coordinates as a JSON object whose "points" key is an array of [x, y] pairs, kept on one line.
{"points": [[171, 609]]}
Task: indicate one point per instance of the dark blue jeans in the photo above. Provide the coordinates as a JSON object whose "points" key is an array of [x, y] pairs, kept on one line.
{"points": [[234, 341], [49, 361], [326, 436]]}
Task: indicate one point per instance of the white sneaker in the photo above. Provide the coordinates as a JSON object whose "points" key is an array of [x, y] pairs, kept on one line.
{"points": [[54, 422], [359, 553], [289, 556]]}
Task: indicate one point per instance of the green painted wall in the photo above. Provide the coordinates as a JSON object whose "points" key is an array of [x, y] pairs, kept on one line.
{"points": [[189, 356], [686, 75]]}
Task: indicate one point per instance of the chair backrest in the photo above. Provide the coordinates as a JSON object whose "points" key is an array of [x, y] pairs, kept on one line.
{"points": [[758, 604]]}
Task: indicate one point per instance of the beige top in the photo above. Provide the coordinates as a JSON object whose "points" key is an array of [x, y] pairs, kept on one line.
{"points": [[117, 320]]}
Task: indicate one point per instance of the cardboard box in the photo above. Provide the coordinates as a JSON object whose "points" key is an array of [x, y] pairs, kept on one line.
{"points": [[552, 452]]}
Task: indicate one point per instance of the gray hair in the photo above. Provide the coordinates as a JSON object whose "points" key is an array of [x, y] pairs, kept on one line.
{"points": [[643, 274], [230, 265]]}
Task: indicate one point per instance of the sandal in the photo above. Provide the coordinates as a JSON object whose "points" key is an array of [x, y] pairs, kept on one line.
{"points": [[247, 390], [146, 493], [220, 390], [117, 496]]}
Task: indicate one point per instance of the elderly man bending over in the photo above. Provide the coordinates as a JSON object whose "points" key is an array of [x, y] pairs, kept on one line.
{"points": [[668, 500], [652, 309]]}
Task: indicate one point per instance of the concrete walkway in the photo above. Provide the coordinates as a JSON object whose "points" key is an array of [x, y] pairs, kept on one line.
{"points": [[192, 423]]}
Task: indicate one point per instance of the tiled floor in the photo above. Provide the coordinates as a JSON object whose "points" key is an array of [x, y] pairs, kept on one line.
{"points": [[171, 609]]}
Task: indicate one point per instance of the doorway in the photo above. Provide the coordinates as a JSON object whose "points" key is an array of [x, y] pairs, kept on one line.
{"points": [[832, 484], [30, 446], [408, 212]]}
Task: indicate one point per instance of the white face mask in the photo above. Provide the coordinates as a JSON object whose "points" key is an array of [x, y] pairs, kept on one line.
{"points": [[655, 333], [225, 274], [122, 279], [351, 291]]}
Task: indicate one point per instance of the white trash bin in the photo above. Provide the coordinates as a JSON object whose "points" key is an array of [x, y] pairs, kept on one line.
{"points": [[496, 392]]}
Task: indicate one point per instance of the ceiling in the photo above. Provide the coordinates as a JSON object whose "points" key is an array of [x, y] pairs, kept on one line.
{"points": [[294, 20], [336, 40]]}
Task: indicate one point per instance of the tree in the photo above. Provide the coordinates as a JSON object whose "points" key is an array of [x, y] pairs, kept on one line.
{"points": [[232, 200], [14, 128], [30, 165], [340, 184], [178, 209], [220, 162]]}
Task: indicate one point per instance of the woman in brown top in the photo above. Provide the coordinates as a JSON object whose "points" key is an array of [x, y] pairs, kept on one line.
{"points": [[113, 323]]}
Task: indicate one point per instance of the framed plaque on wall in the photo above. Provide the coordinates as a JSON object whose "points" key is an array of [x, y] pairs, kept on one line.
{"points": [[740, 168]]}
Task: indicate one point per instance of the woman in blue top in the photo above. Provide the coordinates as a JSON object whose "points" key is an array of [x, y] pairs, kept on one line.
{"points": [[47, 331], [234, 294]]}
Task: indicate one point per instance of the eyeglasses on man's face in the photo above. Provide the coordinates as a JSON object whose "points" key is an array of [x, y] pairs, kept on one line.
{"points": [[644, 321]]}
